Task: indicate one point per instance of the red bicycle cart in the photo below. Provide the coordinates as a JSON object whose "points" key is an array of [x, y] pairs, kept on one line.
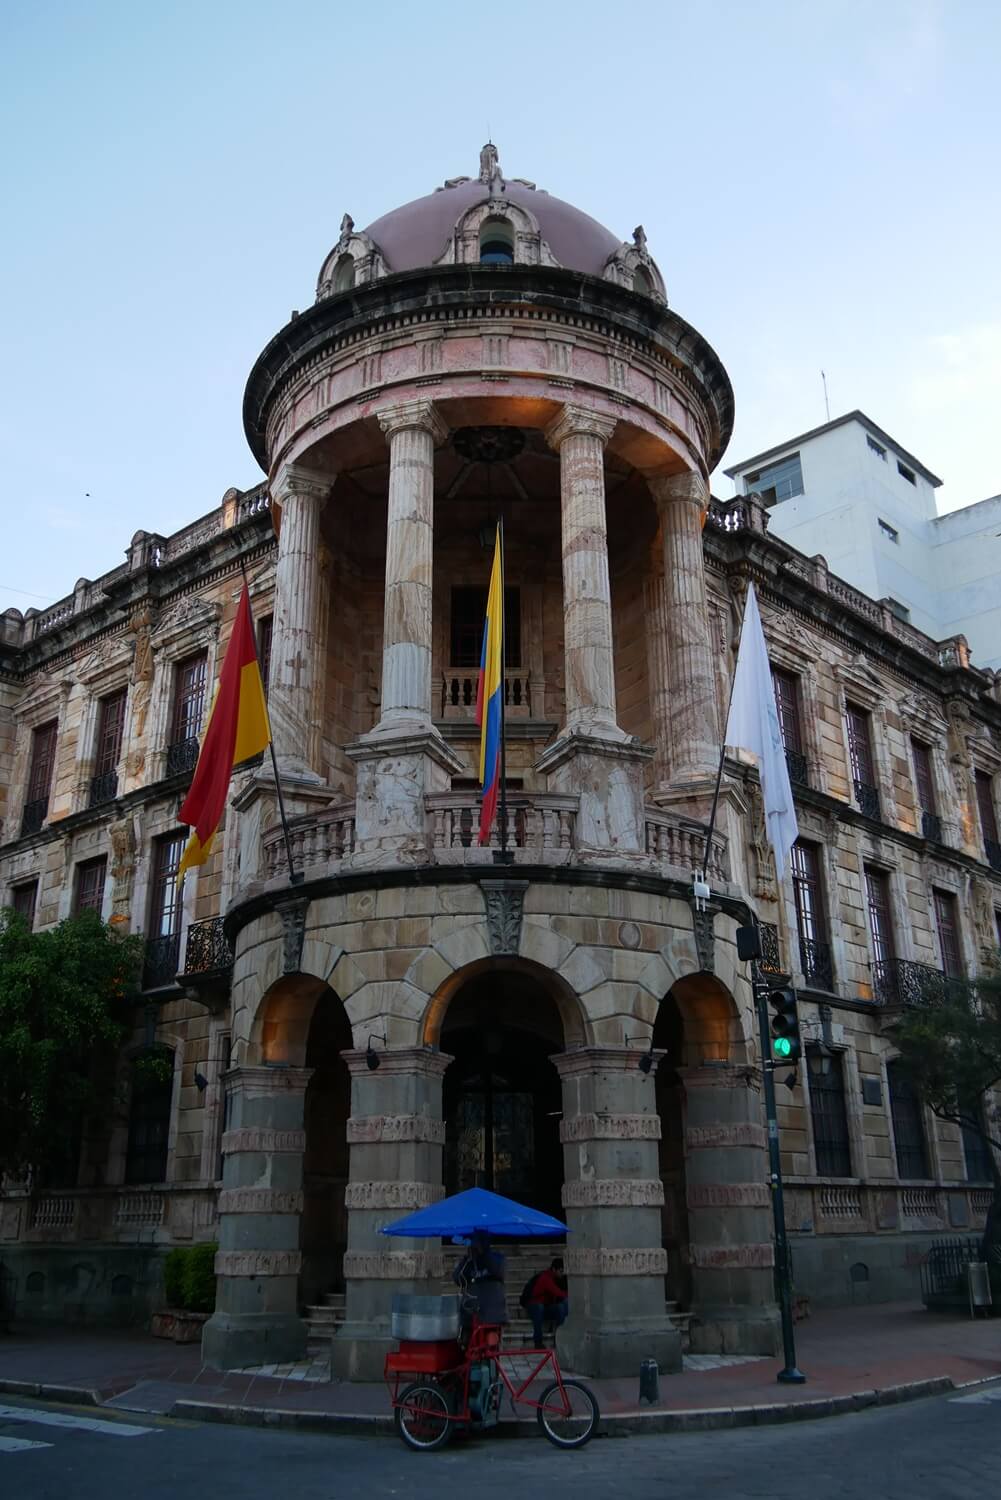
{"points": [[438, 1387]]}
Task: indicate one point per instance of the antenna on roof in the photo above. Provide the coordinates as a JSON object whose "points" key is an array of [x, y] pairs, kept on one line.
{"points": [[827, 403]]}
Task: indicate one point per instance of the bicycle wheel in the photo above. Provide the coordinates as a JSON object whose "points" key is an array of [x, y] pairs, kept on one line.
{"points": [[568, 1417], [422, 1418]]}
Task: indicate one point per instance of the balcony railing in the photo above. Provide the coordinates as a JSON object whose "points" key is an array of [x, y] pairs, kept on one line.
{"points": [[817, 964], [34, 815], [867, 798], [898, 982], [207, 949], [458, 694], [771, 951], [680, 844], [317, 839], [182, 756], [931, 826], [540, 828], [103, 788], [993, 850], [162, 961], [799, 770]]}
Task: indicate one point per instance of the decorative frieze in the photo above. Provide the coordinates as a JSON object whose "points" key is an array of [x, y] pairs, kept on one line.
{"points": [[709, 1137], [731, 1257], [258, 1262], [377, 1130], [393, 1265], [613, 1192], [504, 903], [729, 1195], [610, 1128], [616, 1262], [400, 1195], [255, 1200], [272, 1142]]}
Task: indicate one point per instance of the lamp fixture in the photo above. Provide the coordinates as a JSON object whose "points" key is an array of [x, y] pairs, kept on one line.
{"points": [[201, 1082], [819, 1058], [372, 1058], [645, 1063]]}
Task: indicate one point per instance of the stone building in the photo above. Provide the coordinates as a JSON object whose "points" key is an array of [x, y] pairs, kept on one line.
{"points": [[416, 1014]]}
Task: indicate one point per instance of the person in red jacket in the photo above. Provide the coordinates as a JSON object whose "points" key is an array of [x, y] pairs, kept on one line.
{"points": [[548, 1301]]}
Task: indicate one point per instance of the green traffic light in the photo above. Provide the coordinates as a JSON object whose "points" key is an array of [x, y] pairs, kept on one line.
{"points": [[782, 1046]]}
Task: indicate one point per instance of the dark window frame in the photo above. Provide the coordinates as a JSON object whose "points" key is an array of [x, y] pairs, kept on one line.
{"points": [[188, 708], [787, 474], [832, 1142], [879, 910], [148, 1143], [88, 886], [950, 944], [924, 776], [467, 612], [164, 898], [43, 761], [24, 900], [986, 810], [910, 1139], [265, 642], [110, 731]]}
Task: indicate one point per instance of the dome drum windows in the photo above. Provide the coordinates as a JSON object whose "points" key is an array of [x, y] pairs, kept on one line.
{"points": [[496, 242]]}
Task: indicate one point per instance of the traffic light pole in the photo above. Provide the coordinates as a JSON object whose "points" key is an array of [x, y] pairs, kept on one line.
{"points": [[789, 1375]]}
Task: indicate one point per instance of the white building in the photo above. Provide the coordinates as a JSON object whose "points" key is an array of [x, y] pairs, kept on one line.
{"points": [[847, 492]]}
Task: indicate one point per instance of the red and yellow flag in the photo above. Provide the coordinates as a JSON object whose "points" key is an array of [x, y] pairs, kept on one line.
{"points": [[238, 728]]}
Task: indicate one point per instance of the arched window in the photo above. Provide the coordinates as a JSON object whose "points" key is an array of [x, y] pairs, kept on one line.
{"points": [[642, 282], [496, 243], [344, 274]]}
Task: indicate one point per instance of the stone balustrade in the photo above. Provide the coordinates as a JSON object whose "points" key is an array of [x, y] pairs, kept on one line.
{"points": [[458, 694], [678, 846], [541, 829], [165, 1213], [883, 1208], [318, 840]]}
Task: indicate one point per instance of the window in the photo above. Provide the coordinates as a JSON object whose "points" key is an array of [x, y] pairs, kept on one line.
{"points": [[786, 685], [890, 532], [23, 899], [976, 1152], [988, 818], [931, 823], [877, 895], [876, 448], [163, 942], [496, 243], [814, 951], [829, 1113], [186, 720], [778, 481], [947, 926], [149, 1124], [906, 473], [908, 1127], [642, 282], [344, 274], [43, 761], [89, 894], [108, 749], [860, 756], [469, 607], [898, 610], [265, 632]]}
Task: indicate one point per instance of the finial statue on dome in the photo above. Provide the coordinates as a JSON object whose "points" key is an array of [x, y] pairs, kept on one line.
{"points": [[639, 237], [347, 228], [489, 162]]}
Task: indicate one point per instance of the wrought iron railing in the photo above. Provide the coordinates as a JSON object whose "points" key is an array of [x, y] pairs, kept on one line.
{"points": [[771, 952], [867, 798], [207, 948], [799, 770], [943, 1275], [993, 850], [817, 963], [161, 962], [182, 756], [931, 826], [898, 981], [103, 788], [34, 815]]}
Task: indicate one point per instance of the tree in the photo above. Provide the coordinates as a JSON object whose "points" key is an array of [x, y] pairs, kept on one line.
{"points": [[950, 1049], [63, 1010]]}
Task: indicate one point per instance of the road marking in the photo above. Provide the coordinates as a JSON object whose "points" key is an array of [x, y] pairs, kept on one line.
{"points": [[17, 1445], [82, 1424], [979, 1398]]}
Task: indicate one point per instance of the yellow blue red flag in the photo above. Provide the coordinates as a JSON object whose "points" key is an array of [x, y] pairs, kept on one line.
{"points": [[489, 707]]}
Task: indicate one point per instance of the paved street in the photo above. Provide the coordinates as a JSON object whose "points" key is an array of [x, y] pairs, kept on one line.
{"points": [[928, 1450]]}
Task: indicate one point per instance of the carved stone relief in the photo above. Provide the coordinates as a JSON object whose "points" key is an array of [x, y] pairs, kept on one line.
{"points": [[505, 901]]}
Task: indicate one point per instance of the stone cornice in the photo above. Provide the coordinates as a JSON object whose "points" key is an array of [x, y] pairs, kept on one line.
{"points": [[397, 1060], [407, 416]]}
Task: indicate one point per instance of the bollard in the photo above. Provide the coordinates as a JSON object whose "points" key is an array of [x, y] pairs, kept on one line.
{"points": [[650, 1382]]}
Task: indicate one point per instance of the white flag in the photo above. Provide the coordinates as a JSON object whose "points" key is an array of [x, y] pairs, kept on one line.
{"points": [[753, 725]]}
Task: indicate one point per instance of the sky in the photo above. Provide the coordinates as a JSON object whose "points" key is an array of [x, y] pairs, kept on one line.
{"points": [[818, 181]]}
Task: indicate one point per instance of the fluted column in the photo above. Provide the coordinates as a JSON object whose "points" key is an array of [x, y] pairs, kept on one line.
{"points": [[413, 429], [579, 437], [694, 749], [296, 655], [655, 605]]}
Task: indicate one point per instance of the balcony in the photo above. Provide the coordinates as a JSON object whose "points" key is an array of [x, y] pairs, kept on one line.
{"points": [[103, 788], [208, 963], [458, 694], [162, 961], [182, 756], [771, 950], [867, 798], [931, 826], [817, 964], [799, 771], [34, 815], [993, 851], [318, 840], [897, 982], [541, 829]]}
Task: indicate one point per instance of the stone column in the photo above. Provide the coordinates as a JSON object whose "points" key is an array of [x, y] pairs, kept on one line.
{"points": [[613, 1196], [729, 1214], [256, 1320], [404, 757], [298, 657], [396, 1134], [658, 670], [694, 749]]}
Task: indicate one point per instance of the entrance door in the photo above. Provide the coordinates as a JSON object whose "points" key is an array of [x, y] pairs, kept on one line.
{"points": [[493, 1143]]}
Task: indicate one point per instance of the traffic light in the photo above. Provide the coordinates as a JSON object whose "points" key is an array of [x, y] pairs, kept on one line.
{"points": [[786, 1045]]}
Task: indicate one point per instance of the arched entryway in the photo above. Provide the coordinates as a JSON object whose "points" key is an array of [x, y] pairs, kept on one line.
{"points": [[668, 1037], [324, 1233], [502, 1095]]}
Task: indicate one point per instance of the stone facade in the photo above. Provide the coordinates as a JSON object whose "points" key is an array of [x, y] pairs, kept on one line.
{"points": [[418, 1012]]}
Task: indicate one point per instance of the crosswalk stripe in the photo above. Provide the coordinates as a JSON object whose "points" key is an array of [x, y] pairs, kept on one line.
{"points": [[82, 1424], [978, 1398], [17, 1445]]}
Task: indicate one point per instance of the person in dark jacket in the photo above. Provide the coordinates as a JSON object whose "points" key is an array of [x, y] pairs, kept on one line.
{"points": [[548, 1300], [480, 1274]]}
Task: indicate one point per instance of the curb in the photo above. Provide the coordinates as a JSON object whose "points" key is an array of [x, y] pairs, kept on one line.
{"points": [[71, 1395]]}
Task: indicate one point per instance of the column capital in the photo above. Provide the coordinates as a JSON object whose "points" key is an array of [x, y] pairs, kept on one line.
{"points": [[420, 415], [250, 1078], [573, 420], [393, 1060], [603, 1060], [670, 489], [299, 479]]}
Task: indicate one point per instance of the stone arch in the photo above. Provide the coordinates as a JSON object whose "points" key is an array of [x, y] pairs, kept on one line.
{"points": [[528, 246], [710, 1020], [280, 1033], [576, 1028]]}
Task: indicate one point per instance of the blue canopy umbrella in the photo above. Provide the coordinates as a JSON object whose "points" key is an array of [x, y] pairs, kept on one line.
{"points": [[464, 1213]]}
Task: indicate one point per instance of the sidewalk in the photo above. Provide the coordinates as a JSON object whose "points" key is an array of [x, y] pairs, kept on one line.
{"points": [[852, 1357]]}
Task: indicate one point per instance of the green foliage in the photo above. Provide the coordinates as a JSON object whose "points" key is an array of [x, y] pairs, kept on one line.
{"points": [[173, 1277], [198, 1279], [152, 1069], [63, 1008]]}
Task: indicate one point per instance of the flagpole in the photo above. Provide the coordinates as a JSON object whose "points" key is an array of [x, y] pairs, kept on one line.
{"points": [[503, 857], [722, 755], [295, 877]]}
